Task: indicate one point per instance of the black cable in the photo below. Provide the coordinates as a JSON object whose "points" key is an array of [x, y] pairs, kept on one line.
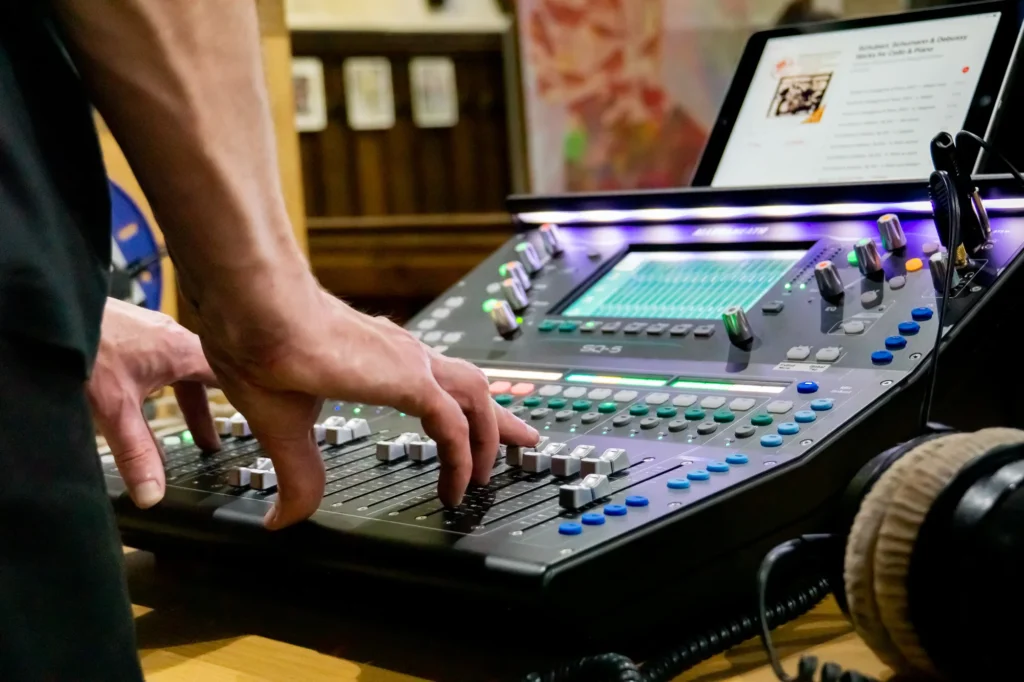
{"points": [[992, 150]]}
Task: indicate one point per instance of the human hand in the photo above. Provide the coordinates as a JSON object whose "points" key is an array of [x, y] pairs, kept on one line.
{"points": [[141, 351], [275, 369]]}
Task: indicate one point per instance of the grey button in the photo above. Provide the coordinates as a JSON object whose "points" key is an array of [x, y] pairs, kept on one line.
{"points": [[798, 353], [454, 301], [493, 288], [610, 327], [416, 334], [441, 313], [564, 415], [433, 337], [440, 349], [518, 410], [540, 413], [745, 431], [590, 417], [853, 327], [827, 354], [680, 329], [898, 282], [741, 404], [677, 425], [589, 327], [928, 248], [648, 423], [712, 402], [869, 297], [684, 400], [624, 396], [779, 406], [634, 327], [656, 398], [621, 420], [656, 329], [599, 393], [574, 392], [549, 390], [426, 324], [772, 307], [452, 337], [705, 428], [704, 330]]}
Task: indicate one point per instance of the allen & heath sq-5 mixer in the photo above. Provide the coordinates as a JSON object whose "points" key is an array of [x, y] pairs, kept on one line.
{"points": [[707, 368]]}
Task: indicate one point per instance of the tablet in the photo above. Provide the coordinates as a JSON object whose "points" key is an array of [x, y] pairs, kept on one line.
{"points": [[858, 100]]}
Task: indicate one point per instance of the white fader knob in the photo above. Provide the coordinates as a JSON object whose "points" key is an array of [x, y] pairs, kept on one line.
{"points": [[504, 319], [827, 277], [240, 426], [551, 238], [515, 295], [223, 426], [528, 257]]}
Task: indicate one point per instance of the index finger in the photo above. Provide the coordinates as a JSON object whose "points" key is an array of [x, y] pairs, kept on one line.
{"points": [[443, 421]]}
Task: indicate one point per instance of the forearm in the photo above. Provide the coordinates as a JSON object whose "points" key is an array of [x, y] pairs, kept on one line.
{"points": [[181, 86]]}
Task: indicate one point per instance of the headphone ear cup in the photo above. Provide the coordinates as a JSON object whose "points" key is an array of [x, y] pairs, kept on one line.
{"points": [[923, 475]]}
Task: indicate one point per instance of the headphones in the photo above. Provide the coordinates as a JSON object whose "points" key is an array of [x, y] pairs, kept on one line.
{"points": [[930, 566]]}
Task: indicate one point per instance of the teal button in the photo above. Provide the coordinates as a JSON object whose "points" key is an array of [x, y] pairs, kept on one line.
{"points": [[724, 416], [667, 412], [607, 408], [581, 405], [568, 326], [761, 419], [556, 403], [504, 399], [546, 326], [694, 413], [532, 401], [639, 410]]}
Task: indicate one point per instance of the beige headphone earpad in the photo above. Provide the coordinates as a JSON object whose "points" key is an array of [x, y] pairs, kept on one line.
{"points": [[929, 468]]}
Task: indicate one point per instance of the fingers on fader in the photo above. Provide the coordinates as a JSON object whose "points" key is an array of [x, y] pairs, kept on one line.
{"points": [[444, 421], [300, 479], [136, 454], [195, 408]]}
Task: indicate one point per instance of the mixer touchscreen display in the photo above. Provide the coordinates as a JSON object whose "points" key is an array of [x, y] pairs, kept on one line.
{"points": [[677, 285]]}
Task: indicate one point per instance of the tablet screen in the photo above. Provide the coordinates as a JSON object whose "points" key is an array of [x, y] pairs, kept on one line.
{"points": [[855, 105]]}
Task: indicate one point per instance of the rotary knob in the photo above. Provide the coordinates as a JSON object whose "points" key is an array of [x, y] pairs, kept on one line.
{"points": [[551, 238], [829, 284], [891, 232], [515, 295], [738, 326], [868, 259], [938, 263], [504, 319], [529, 258], [516, 271]]}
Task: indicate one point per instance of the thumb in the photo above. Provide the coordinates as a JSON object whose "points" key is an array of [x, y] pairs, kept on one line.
{"points": [[300, 478], [136, 454]]}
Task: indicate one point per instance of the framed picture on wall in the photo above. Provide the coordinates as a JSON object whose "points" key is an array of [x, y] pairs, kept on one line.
{"points": [[369, 93], [310, 98]]}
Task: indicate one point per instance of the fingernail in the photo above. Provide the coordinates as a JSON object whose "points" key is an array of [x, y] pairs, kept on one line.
{"points": [[146, 494], [270, 520], [535, 433]]}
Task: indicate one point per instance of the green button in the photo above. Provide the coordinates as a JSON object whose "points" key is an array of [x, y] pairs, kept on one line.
{"points": [[667, 411], [581, 405], [504, 399], [851, 258], [568, 326], [546, 326], [607, 408], [724, 416], [556, 403], [694, 413], [761, 419], [532, 401], [639, 409], [186, 437]]}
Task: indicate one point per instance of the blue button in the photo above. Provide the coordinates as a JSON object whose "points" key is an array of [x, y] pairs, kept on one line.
{"points": [[895, 342], [717, 467], [788, 429], [921, 314], [807, 387], [821, 404], [615, 510], [881, 357], [771, 441], [908, 328], [698, 475], [678, 484], [570, 528], [637, 501], [805, 417], [592, 519], [737, 458]]}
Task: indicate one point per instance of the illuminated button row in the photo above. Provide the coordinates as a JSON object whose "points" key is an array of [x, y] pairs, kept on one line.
{"points": [[630, 328]]}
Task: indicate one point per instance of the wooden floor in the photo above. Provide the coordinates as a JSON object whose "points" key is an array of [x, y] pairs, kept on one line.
{"points": [[230, 629]]}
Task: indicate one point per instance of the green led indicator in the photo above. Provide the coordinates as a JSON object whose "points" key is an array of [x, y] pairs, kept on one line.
{"points": [[522, 246], [851, 258], [489, 304], [503, 270], [357, 410], [519, 320], [788, 285], [401, 414], [589, 325], [186, 437], [803, 285]]}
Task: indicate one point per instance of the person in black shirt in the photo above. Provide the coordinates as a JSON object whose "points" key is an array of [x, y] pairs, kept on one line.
{"points": [[181, 88]]}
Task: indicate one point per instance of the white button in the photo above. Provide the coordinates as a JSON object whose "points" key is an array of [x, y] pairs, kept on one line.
{"points": [[452, 337], [656, 398], [741, 404], [440, 349], [853, 327], [712, 402], [779, 406], [550, 390], [575, 392], [599, 393], [416, 334], [426, 324], [494, 288], [828, 354], [454, 301], [441, 313], [798, 353], [624, 396], [432, 337], [684, 400]]}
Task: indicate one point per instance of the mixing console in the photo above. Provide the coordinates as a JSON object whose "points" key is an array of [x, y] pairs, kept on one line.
{"points": [[707, 375]]}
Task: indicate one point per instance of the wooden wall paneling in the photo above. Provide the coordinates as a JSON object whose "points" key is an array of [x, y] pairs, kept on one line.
{"points": [[404, 195], [467, 196], [491, 137], [338, 171]]}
